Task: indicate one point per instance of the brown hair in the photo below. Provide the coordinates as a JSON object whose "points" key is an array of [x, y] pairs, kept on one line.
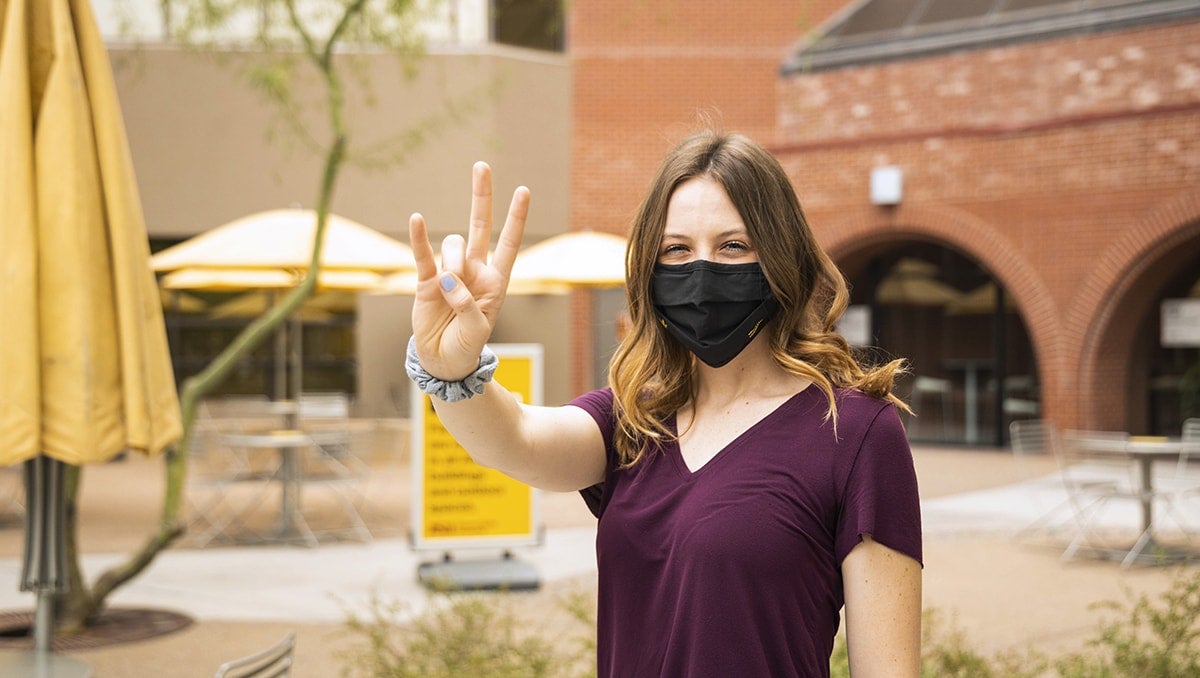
{"points": [[651, 374]]}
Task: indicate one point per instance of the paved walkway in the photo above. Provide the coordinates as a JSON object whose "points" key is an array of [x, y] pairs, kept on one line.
{"points": [[321, 584], [1002, 593], [294, 583]]}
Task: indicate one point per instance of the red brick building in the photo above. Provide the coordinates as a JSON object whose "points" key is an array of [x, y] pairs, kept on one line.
{"points": [[643, 75], [1044, 149]]}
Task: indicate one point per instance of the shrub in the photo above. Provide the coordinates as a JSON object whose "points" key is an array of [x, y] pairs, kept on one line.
{"points": [[945, 653], [477, 634], [1139, 639], [461, 634]]}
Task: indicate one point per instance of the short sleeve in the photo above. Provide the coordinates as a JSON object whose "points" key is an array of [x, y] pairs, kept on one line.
{"points": [[880, 497], [599, 404]]}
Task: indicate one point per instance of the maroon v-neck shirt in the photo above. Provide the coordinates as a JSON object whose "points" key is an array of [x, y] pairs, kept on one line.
{"points": [[735, 569]]}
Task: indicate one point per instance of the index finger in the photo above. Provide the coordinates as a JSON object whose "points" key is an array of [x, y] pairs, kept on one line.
{"points": [[480, 234], [418, 238]]}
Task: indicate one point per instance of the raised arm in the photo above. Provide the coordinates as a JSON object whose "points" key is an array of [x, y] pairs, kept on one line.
{"points": [[556, 448]]}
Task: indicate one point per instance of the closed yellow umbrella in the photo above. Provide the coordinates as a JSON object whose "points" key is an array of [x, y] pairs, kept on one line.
{"points": [[84, 372]]}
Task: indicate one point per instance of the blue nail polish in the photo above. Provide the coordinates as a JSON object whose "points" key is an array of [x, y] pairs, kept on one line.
{"points": [[448, 282]]}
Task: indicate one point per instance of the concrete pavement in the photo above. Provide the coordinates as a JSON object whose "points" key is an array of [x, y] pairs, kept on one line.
{"points": [[323, 584]]}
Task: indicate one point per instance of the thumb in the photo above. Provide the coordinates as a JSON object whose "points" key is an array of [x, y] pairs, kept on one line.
{"points": [[463, 303]]}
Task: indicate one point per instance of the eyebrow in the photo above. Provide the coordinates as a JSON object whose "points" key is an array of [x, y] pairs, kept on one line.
{"points": [[741, 232]]}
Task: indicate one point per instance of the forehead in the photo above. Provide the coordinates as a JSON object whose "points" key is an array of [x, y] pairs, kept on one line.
{"points": [[701, 204]]}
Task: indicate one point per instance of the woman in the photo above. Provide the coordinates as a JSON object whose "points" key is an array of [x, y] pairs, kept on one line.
{"points": [[755, 477]]}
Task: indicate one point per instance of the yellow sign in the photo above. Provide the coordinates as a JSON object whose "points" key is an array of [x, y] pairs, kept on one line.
{"points": [[460, 500]]}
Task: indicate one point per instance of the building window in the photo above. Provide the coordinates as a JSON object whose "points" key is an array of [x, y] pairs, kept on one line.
{"points": [[536, 24]]}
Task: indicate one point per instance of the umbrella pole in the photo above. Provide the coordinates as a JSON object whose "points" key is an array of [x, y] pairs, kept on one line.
{"points": [[296, 349], [280, 371], [44, 569], [43, 622], [281, 351]]}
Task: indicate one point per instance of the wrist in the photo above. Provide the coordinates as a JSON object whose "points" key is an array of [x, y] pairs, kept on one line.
{"points": [[450, 391]]}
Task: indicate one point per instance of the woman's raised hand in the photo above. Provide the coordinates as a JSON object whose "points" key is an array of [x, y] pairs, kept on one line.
{"points": [[456, 308]]}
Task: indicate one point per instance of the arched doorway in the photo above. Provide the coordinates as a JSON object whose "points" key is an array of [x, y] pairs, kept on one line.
{"points": [[1145, 359], [972, 363], [1173, 353]]}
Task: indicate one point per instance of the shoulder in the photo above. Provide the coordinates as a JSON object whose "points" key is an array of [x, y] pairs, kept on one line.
{"points": [[598, 402], [864, 421], [856, 401], [857, 409]]}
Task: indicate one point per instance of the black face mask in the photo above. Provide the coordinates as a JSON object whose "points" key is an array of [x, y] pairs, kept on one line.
{"points": [[715, 310]]}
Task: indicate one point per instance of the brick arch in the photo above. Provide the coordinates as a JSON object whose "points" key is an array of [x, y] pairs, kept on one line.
{"points": [[853, 230], [1094, 311]]}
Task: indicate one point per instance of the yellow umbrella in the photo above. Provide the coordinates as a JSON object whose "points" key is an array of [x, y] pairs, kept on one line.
{"points": [[979, 301], [319, 307], [575, 259], [254, 304], [282, 239], [335, 301], [272, 251], [238, 279], [913, 282], [85, 373], [406, 283], [181, 302], [227, 279]]}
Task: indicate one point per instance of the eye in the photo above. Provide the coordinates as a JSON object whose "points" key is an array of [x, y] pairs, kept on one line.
{"points": [[673, 248], [736, 246]]}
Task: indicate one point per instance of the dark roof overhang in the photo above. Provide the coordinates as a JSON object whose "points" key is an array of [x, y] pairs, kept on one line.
{"points": [[831, 48]]}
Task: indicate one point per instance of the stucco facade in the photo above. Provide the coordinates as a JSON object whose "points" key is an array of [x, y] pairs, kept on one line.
{"points": [[207, 150]]}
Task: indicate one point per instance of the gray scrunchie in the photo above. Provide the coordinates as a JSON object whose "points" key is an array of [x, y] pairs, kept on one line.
{"points": [[450, 391]]}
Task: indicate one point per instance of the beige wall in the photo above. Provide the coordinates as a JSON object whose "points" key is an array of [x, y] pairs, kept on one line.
{"points": [[208, 150]]}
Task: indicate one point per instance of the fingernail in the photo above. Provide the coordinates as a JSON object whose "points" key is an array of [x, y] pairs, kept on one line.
{"points": [[448, 282]]}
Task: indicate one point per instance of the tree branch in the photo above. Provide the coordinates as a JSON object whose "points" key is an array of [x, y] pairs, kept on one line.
{"points": [[85, 603], [294, 17]]}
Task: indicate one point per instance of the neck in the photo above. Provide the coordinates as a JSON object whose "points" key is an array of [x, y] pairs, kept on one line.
{"points": [[752, 374]]}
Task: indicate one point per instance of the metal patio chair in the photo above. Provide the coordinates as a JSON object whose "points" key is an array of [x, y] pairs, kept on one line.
{"points": [[1038, 437], [1088, 485], [336, 459], [226, 484], [1189, 477], [273, 662], [1157, 496], [926, 388], [1093, 484]]}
